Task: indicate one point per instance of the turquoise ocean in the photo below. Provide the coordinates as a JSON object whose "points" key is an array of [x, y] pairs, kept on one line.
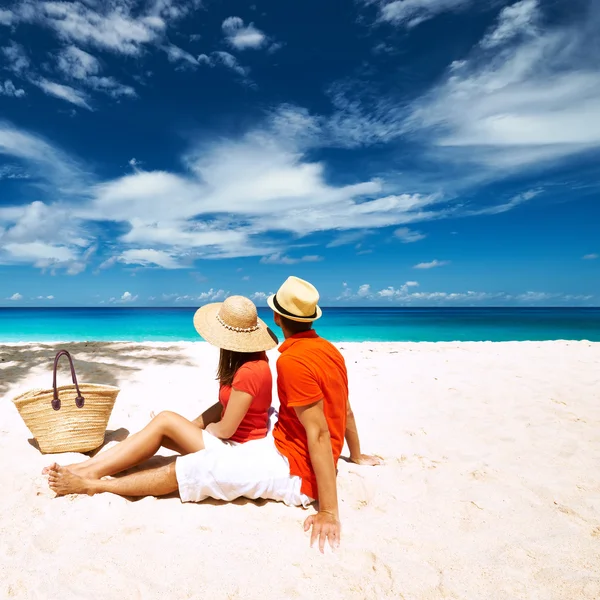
{"points": [[337, 324]]}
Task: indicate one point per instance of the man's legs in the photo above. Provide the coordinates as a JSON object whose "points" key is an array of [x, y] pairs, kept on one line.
{"points": [[159, 481], [166, 429]]}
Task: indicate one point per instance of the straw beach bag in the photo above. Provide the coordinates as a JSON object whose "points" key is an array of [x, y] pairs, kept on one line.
{"points": [[70, 418]]}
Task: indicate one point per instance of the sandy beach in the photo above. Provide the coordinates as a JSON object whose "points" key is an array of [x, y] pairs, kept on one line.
{"points": [[490, 487]]}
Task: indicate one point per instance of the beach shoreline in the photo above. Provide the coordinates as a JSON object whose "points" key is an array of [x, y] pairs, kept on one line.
{"points": [[490, 487]]}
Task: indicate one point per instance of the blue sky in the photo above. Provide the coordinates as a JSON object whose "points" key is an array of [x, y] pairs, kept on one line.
{"points": [[409, 152]]}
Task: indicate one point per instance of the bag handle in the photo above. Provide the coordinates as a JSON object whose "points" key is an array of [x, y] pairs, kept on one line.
{"points": [[80, 400]]}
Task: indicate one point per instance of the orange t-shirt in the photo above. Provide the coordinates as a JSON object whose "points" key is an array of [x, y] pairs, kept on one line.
{"points": [[254, 378], [309, 369]]}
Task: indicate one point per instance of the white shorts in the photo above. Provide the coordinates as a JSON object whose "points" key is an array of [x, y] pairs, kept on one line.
{"points": [[227, 470]]}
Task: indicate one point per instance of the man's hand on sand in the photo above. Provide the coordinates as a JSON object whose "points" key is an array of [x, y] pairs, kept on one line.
{"points": [[367, 459], [325, 526]]}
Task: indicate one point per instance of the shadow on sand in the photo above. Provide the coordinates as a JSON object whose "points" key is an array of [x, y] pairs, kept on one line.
{"points": [[95, 362]]}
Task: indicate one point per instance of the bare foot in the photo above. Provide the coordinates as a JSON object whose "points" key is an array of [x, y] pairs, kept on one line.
{"points": [[46, 470], [62, 481]]}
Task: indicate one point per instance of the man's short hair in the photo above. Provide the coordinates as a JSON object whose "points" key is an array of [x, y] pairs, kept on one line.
{"points": [[295, 327]]}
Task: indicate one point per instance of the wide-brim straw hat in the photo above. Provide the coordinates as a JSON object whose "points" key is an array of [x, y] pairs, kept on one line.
{"points": [[296, 300], [234, 325]]}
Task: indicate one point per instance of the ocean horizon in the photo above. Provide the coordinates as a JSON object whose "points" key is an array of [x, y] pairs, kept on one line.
{"points": [[338, 324]]}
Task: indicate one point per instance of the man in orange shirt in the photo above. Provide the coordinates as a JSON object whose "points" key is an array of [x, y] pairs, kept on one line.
{"points": [[315, 416]]}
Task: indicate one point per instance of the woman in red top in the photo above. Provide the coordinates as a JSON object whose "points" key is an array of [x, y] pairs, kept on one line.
{"points": [[240, 415]]}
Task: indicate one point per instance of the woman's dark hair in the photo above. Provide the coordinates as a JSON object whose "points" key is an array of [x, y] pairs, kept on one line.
{"points": [[230, 362]]}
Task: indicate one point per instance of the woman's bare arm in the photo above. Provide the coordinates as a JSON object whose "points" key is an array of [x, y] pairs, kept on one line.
{"points": [[210, 415], [237, 407]]}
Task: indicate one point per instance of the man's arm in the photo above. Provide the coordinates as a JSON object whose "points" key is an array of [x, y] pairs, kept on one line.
{"points": [[325, 524], [353, 442]]}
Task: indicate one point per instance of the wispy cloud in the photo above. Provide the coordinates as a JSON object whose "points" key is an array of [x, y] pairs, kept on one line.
{"points": [[149, 257], [410, 13], [15, 297], [64, 92], [175, 54], [82, 67], [590, 257], [406, 294], [109, 26], [281, 259], [227, 60], [524, 95], [432, 264], [408, 236], [262, 178]]}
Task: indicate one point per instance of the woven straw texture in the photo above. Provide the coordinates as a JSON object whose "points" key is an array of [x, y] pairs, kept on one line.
{"points": [[69, 429], [234, 325]]}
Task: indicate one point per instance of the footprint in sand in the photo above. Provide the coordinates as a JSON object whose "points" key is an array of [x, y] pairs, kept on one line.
{"points": [[377, 580]]}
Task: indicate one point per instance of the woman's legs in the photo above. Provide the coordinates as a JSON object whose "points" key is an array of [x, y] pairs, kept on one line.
{"points": [[166, 429]]}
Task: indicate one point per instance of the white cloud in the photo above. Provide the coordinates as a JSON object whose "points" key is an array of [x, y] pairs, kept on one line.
{"points": [[590, 257], [76, 63], [405, 295], [16, 59], [280, 259], [45, 298], [242, 36], [111, 27], [364, 290], [432, 265], [128, 297], [212, 295], [16, 297], [64, 92], [8, 88], [408, 236], [523, 96], [119, 26], [515, 19], [259, 296], [252, 195]]}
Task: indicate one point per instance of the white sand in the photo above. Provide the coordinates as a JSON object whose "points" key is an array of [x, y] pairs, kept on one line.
{"points": [[491, 487]]}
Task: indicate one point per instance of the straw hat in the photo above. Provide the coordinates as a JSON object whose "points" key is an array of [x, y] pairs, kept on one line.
{"points": [[234, 325], [296, 300]]}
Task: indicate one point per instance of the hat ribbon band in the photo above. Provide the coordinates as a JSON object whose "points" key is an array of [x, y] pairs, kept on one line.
{"points": [[287, 313]]}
